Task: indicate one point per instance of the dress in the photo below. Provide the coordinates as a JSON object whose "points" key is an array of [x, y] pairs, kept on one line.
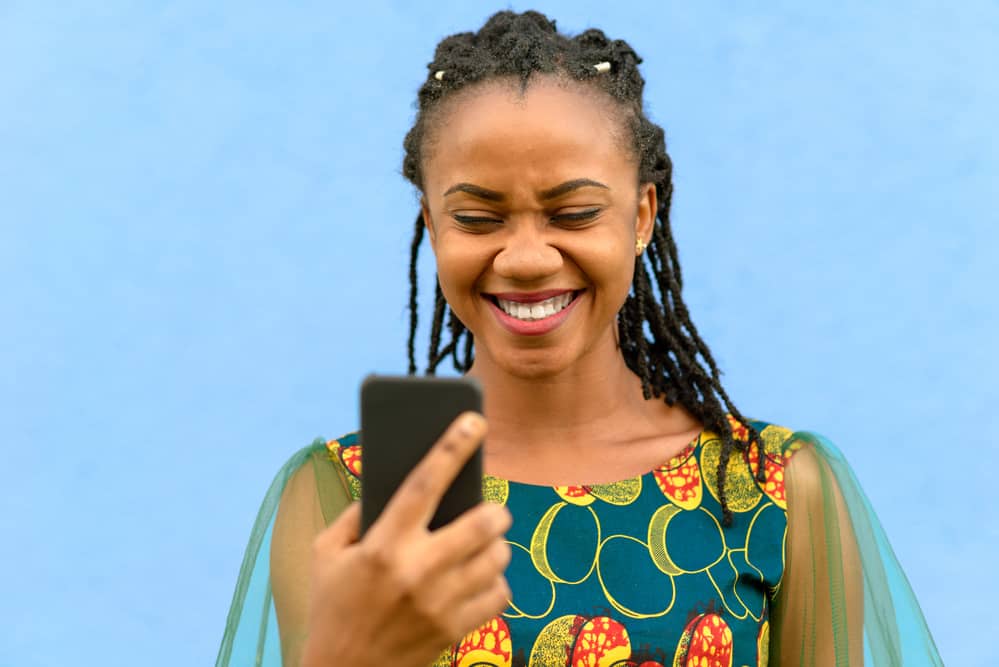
{"points": [[643, 573]]}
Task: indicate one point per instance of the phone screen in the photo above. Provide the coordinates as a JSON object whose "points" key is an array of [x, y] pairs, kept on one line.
{"points": [[401, 419]]}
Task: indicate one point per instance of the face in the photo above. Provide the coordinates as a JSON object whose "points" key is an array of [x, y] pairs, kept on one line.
{"points": [[533, 207]]}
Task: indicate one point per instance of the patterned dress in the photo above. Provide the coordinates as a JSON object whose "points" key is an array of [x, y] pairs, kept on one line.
{"points": [[640, 572]]}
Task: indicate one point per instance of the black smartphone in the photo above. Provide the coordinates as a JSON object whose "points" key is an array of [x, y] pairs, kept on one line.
{"points": [[401, 418]]}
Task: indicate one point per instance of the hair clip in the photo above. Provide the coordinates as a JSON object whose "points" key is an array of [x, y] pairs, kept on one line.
{"points": [[439, 75], [602, 68]]}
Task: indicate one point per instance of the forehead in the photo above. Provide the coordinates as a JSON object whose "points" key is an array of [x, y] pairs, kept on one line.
{"points": [[552, 128]]}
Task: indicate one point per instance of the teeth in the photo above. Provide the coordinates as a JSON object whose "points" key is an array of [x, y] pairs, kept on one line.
{"points": [[535, 311]]}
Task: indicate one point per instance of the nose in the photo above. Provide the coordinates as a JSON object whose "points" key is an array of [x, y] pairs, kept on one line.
{"points": [[527, 256]]}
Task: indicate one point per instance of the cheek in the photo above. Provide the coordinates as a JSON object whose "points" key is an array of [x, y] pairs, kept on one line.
{"points": [[609, 266], [459, 267], [617, 284]]}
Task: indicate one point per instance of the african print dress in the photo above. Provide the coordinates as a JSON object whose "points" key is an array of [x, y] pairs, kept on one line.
{"points": [[643, 572]]}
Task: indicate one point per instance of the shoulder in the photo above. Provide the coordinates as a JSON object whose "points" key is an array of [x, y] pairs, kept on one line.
{"points": [[802, 464], [778, 442], [298, 470], [779, 447], [339, 456], [345, 454], [319, 480]]}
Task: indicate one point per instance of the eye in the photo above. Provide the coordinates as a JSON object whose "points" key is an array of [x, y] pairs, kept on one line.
{"points": [[576, 217], [475, 220]]}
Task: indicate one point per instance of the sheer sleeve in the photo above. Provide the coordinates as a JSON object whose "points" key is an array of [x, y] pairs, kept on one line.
{"points": [[843, 598], [269, 607], [299, 519]]}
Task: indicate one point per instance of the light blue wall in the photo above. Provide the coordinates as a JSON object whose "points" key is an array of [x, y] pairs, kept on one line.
{"points": [[203, 242]]}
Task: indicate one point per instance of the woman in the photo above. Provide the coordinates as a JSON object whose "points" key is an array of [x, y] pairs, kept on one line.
{"points": [[634, 516]]}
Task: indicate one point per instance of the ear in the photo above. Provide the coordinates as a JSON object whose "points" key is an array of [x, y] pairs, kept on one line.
{"points": [[645, 218], [428, 223]]}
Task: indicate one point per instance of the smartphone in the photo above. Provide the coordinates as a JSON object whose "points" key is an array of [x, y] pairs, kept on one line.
{"points": [[401, 419]]}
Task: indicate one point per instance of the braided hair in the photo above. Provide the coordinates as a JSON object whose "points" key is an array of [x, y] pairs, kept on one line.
{"points": [[657, 337]]}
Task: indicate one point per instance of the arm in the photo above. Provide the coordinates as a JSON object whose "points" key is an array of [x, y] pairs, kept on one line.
{"points": [[300, 518], [818, 614]]}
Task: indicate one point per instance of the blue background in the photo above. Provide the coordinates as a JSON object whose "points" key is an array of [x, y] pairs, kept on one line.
{"points": [[203, 248]]}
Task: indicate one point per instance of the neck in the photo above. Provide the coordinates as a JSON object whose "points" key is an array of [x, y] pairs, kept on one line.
{"points": [[586, 404]]}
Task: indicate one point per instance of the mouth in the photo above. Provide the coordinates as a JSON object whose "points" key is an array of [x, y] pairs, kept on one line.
{"points": [[536, 307]]}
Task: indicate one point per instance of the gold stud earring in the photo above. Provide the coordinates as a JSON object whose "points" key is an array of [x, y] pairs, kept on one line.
{"points": [[640, 246]]}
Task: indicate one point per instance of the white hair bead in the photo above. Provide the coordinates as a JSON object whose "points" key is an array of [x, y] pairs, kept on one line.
{"points": [[602, 68], [439, 75]]}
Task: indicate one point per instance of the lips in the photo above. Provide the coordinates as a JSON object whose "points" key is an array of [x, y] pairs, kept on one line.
{"points": [[533, 313]]}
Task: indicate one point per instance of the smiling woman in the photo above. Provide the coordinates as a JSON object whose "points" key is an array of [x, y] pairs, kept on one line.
{"points": [[526, 204], [633, 515]]}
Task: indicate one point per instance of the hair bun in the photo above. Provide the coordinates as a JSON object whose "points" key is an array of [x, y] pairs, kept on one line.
{"points": [[623, 53], [593, 38], [505, 22]]}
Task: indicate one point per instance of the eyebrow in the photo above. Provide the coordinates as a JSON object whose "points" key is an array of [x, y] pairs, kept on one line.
{"points": [[569, 186], [551, 193], [475, 191]]}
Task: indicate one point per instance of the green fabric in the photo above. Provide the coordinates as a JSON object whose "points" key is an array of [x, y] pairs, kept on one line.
{"points": [[330, 484], [895, 631], [736, 590], [251, 636]]}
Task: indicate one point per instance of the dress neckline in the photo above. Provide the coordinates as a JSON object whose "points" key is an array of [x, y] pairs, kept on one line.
{"points": [[677, 460]]}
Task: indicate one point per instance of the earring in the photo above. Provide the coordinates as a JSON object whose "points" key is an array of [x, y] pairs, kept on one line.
{"points": [[640, 246]]}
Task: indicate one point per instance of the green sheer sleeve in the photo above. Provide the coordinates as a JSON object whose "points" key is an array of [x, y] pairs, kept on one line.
{"points": [[843, 599], [307, 493]]}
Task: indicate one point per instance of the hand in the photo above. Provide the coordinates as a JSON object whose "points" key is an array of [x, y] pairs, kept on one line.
{"points": [[402, 594]]}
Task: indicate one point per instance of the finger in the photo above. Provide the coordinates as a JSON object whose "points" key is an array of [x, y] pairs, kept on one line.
{"points": [[479, 608], [458, 584], [467, 535], [417, 498], [479, 573], [344, 531]]}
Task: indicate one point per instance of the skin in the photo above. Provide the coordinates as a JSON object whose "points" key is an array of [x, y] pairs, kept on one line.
{"points": [[562, 408], [419, 590]]}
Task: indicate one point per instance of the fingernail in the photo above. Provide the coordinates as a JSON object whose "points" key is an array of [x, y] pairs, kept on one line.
{"points": [[470, 425]]}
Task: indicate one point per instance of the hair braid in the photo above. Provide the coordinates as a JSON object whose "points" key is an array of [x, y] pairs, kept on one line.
{"points": [[414, 254], [435, 331], [456, 328], [658, 339]]}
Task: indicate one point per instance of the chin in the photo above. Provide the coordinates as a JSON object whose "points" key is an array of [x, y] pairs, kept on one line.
{"points": [[538, 364]]}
